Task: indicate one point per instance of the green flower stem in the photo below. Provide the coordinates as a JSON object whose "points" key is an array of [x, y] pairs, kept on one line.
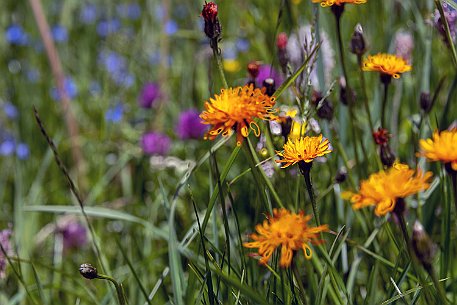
{"points": [[305, 169], [119, 288], [439, 5], [384, 105], [364, 91], [218, 58], [454, 188]]}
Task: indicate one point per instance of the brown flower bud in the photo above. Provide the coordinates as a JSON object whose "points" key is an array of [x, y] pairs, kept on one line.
{"points": [[341, 175], [425, 102], [253, 69], [381, 137], [88, 271], [423, 246], [269, 84], [387, 156], [358, 45]]}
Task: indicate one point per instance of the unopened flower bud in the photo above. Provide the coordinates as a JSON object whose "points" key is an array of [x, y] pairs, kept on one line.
{"points": [[343, 91], [253, 69], [88, 271], [281, 41], [341, 175], [283, 56], [358, 45], [337, 10], [269, 84], [387, 156], [423, 246], [425, 102], [212, 26]]}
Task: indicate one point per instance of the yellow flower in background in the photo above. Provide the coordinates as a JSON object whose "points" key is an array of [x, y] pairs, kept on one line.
{"points": [[386, 64], [325, 3], [441, 147], [297, 129], [231, 65], [382, 189], [303, 149], [236, 109], [287, 230]]}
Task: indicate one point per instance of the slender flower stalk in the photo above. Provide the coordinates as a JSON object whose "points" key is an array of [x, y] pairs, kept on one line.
{"points": [[447, 30], [90, 272], [303, 151], [384, 104]]}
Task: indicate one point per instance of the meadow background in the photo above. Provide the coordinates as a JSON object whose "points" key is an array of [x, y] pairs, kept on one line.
{"points": [[135, 68]]}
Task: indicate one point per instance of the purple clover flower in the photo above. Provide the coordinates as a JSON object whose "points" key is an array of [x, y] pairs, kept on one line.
{"points": [[74, 235], [149, 94], [6, 245], [266, 71], [155, 143], [451, 16], [190, 125]]}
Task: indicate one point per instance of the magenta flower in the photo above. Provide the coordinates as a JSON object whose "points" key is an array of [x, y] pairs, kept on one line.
{"points": [[149, 94], [6, 245], [74, 235], [155, 143], [266, 71], [190, 125]]}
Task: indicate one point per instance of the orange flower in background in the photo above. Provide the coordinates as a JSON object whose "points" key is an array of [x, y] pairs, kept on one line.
{"points": [[386, 64], [303, 149], [382, 189], [325, 3], [441, 147], [236, 109], [287, 230]]}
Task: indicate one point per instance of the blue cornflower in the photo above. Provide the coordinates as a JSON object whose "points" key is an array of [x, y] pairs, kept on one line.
{"points": [[129, 11], [70, 88], [171, 27], [115, 114], [108, 27], [59, 33], [22, 151], [10, 110], [15, 35], [88, 14], [7, 146]]}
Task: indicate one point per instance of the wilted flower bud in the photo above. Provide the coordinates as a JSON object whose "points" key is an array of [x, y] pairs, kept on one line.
{"points": [[269, 84], [381, 137], [358, 45], [324, 106], [212, 26], [423, 246], [425, 102], [88, 271]]}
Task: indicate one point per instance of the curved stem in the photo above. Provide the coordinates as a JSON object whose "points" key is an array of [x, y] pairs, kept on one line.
{"points": [[119, 288]]}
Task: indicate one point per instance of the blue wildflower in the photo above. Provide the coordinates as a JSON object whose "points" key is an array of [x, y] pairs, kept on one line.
{"points": [[115, 114], [70, 88], [59, 33], [242, 44], [15, 35], [10, 110], [171, 27], [22, 151], [108, 27], [88, 14], [7, 147], [130, 11]]}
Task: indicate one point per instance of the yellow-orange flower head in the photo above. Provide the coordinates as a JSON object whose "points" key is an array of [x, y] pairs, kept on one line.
{"points": [[386, 64], [382, 189], [236, 108], [287, 230], [325, 3], [442, 147], [304, 149]]}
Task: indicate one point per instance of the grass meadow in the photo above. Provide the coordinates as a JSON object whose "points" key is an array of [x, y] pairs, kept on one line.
{"points": [[237, 152]]}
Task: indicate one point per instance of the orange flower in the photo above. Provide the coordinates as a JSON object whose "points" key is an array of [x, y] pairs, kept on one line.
{"points": [[382, 189], [442, 147], [386, 64], [303, 149], [236, 108], [325, 3], [288, 230]]}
